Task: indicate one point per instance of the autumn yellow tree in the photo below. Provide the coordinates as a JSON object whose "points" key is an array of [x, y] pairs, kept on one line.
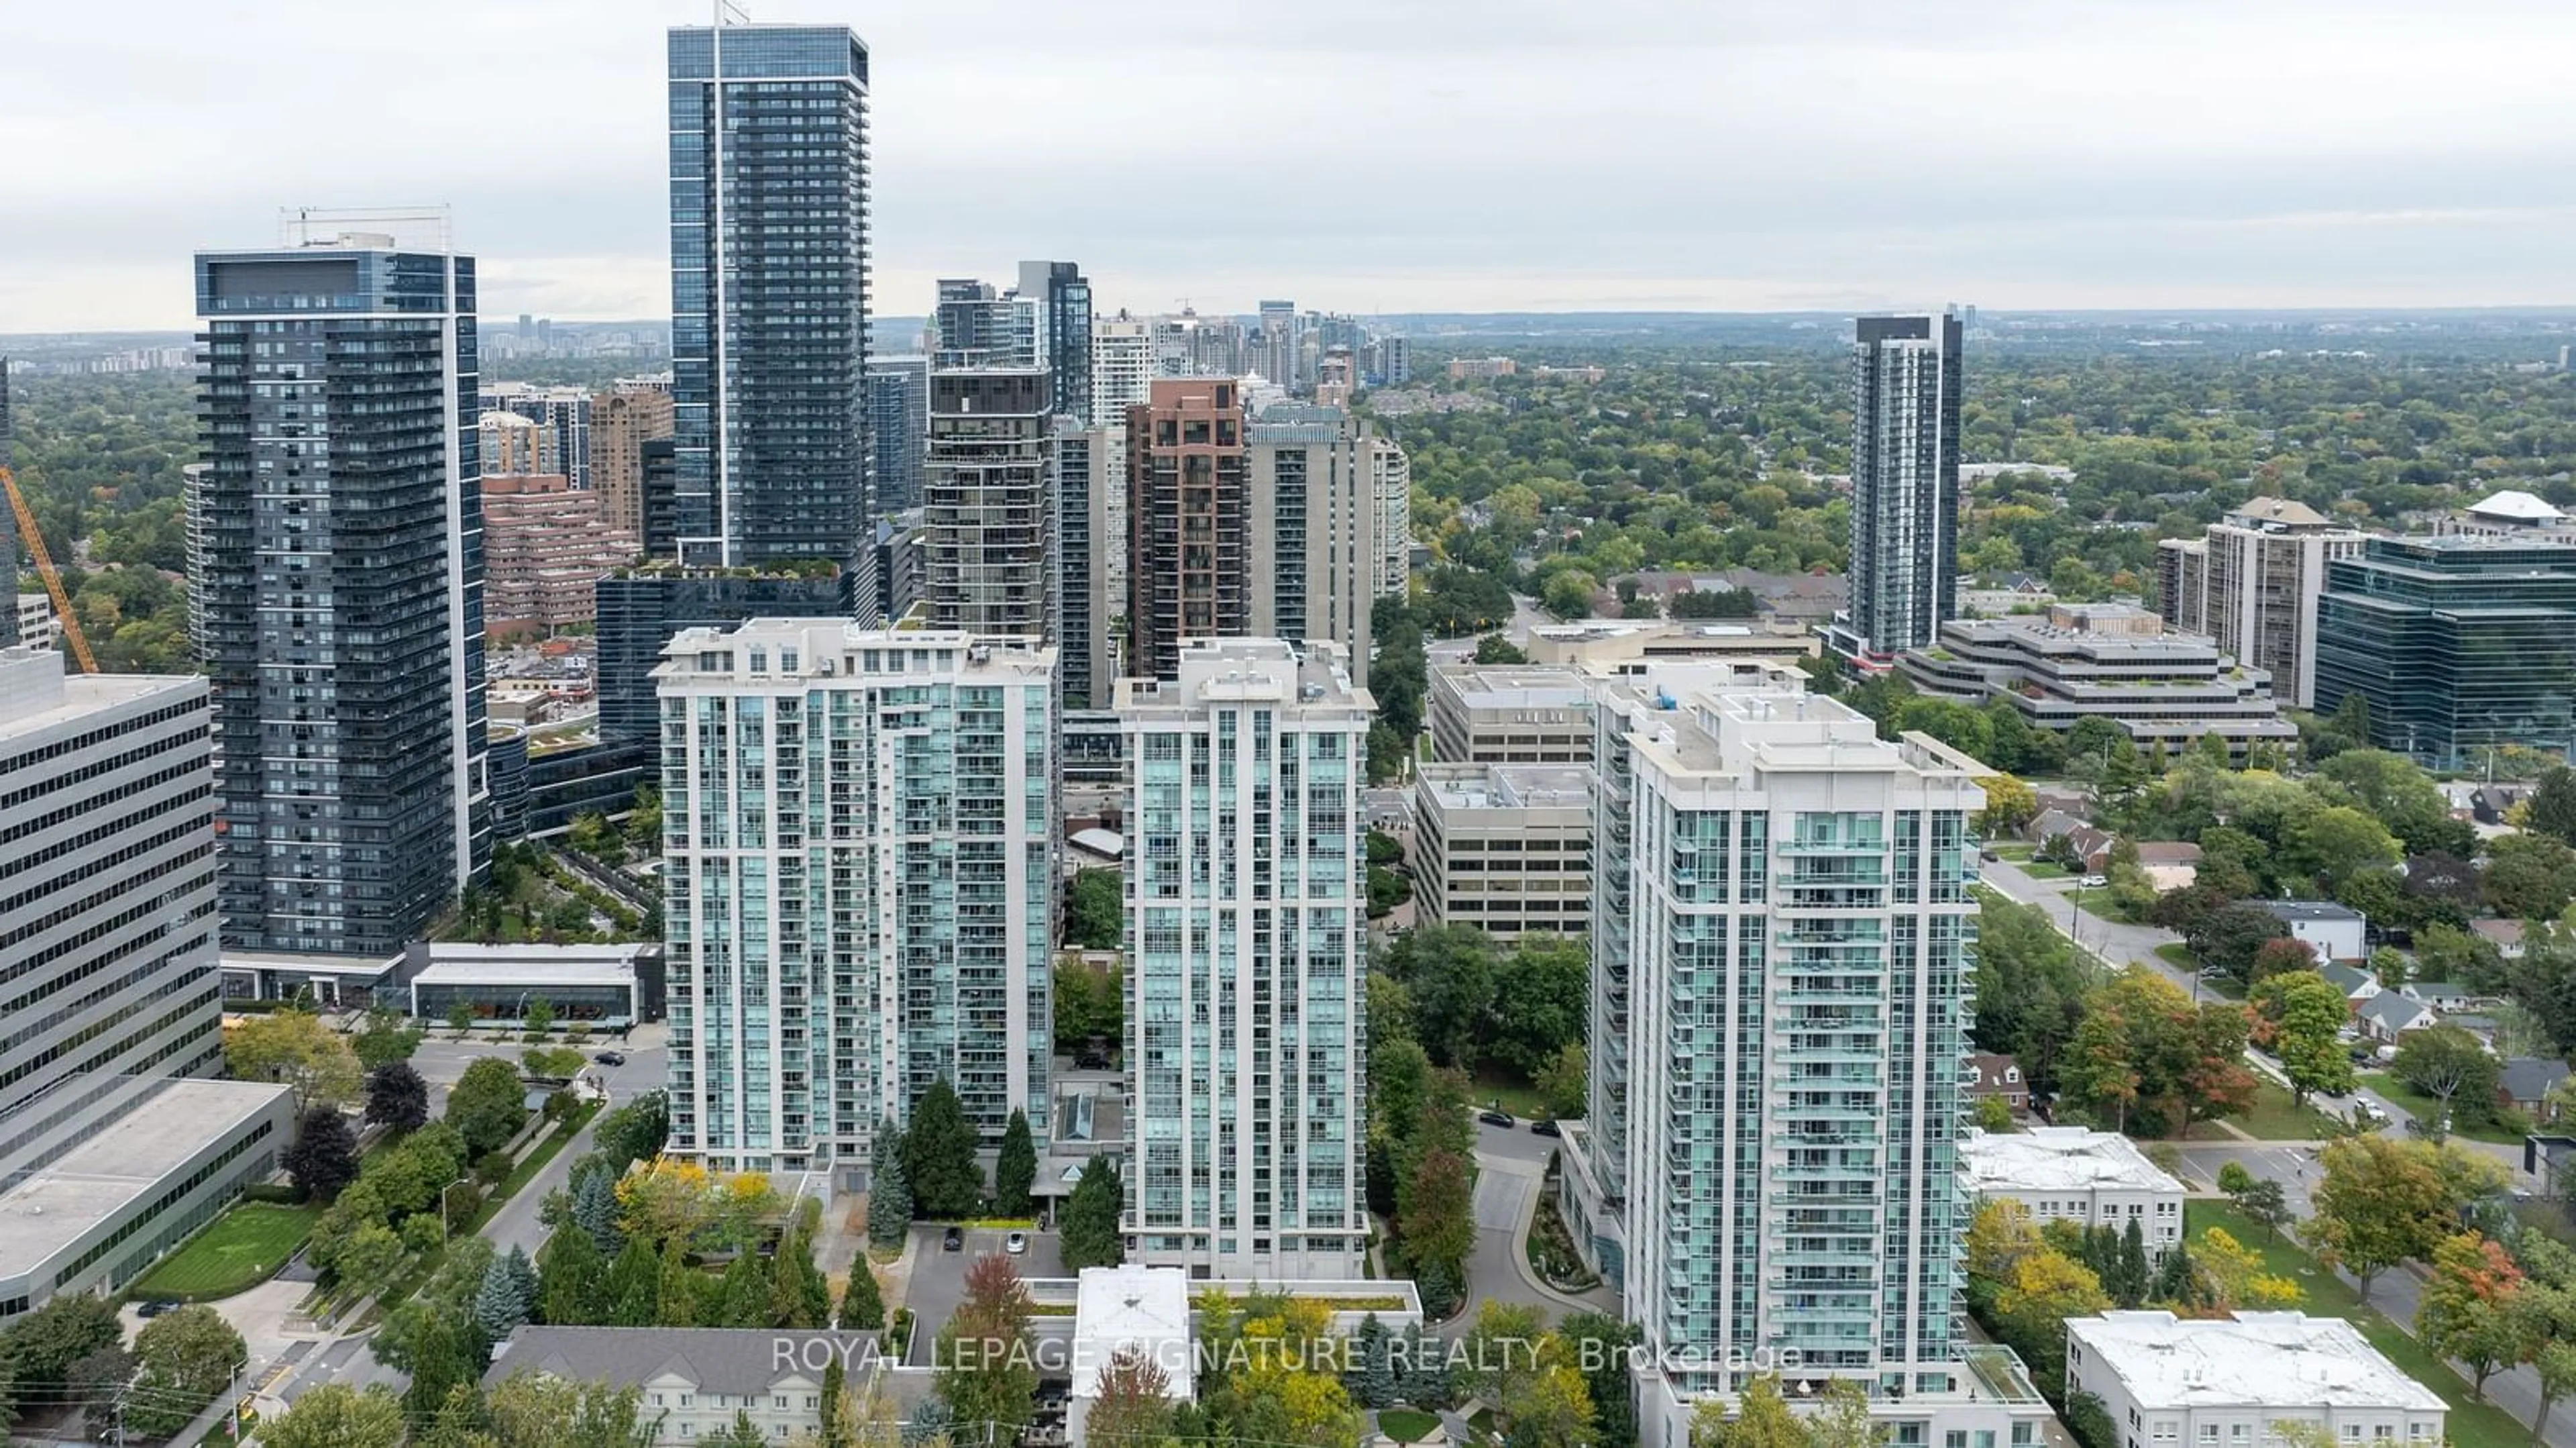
{"points": [[2235, 1274], [668, 1201]]}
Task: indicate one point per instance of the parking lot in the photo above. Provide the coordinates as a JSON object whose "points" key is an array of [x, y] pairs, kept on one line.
{"points": [[939, 1277]]}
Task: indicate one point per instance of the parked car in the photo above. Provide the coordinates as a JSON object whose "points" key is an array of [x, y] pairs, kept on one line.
{"points": [[153, 1306], [1016, 1243], [610, 1058], [953, 1241], [1495, 1116], [1988, 856], [1544, 1128], [2094, 882]]}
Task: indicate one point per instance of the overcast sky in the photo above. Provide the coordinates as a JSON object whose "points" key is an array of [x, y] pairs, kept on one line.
{"points": [[1358, 155]]}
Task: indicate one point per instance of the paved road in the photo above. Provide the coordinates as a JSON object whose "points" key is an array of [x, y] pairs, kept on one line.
{"points": [[349, 1360], [1511, 1170]]}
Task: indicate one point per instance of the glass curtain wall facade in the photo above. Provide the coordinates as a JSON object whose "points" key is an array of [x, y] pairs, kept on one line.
{"points": [[2459, 644], [769, 292], [341, 509], [1905, 481], [1247, 915], [860, 888]]}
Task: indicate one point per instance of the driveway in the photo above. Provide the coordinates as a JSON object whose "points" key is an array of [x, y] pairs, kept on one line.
{"points": [[1511, 1171], [939, 1278]]}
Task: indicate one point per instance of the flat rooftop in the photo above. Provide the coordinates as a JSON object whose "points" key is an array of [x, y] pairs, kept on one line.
{"points": [[1508, 786], [2058, 1158], [2266, 1359], [1517, 686], [509, 966], [1310, 675], [36, 695], [48, 1211], [1139, 1307]]}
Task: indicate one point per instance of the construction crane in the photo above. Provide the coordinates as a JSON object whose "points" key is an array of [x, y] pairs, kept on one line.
{"points": [[35, 537]]}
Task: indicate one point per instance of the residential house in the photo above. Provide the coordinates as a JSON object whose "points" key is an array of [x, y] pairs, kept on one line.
{"points": [[2504, 935], [2391, 1014], [2441, 995], [1993, 1074], [2357, 982], [2524, 1084], [2488, 803], [694, 1381], [2334, 932], [2169, 864]]}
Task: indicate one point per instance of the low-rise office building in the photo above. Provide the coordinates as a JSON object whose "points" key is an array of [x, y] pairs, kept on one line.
{"points": [[1510, 714], [1136, 1310], [1623, 645], [2171, 1382], [2070, 1174], [1504, 847], [2102, 661], [150, 1169], [600, 986]]}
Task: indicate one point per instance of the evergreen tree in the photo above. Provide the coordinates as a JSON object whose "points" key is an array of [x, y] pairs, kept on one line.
{"points": [[743, 1297], [1015, 1172], [2133, 1266], [634, 1293], [502, 1303], [572, 1287], [2177, 1285], [863, 1304], [1090, 1219], [1373, 1369], [889, 1194], [681, 1295], [1424, 1379], [594, 1210], [939, 1156]]}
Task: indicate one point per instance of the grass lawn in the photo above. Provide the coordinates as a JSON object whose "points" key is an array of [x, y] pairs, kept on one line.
{"points": [[1494, 1084], [2274, 1119], [2040, 869], [2178, 954], [2470, 1424], [1406, 1425], [241, 1249], [2015, 853], [2387, 1084]]}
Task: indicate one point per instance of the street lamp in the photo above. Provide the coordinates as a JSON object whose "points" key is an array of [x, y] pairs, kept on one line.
{"points": [[444, 1231]]}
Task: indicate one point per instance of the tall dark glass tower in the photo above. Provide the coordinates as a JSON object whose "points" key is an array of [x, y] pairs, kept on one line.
{"points": [[769, 292], [1905, 484], [342, 551], [1063, 296]]}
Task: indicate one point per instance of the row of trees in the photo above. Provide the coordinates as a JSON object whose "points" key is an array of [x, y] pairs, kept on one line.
{"points": [[71, 1353], [1468, 999]]}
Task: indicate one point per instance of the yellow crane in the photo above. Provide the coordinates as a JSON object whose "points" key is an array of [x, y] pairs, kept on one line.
{"points": [[35, 537]]}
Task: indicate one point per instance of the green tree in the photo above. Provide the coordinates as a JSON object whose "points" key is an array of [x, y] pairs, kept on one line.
{"points": [[487, 1105], [2451, 1066], [1095, 912], [1496, 649], [336, 1415], [1540, 1002], [1090, 1235], [1434, 1217], [889, 1194], [635, 1285], [2380, 1203], [540, 1015], [939, 1156], [644, 822], [1090, 1003], [1561, 1086], [1133, 1401], [460, 1018], [293, 1048], [572, 1279], [184, 1357], [2336, 842], [1569, 594], [508, 1296], [1762, 1420], [1449, 972], [1601, 1343], [2265, 1204], [1015, 1170], [862, 1302], [2306, 1011], [2553, 804], [387, 1038], [371, 1259]]}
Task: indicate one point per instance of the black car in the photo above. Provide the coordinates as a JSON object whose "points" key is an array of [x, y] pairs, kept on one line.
{"points": [[153, 1306], [1496, 1116], [610, 1058], [954, 1241], [1544, 1128]]}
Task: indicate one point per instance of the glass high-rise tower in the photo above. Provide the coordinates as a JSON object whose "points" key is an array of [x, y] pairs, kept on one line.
{"points": [[342, 562], [769, 292], [1905, 484]]}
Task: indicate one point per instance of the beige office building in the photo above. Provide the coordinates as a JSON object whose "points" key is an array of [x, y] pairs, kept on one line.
{"points": [[1510, 714], [1624, 645], [630, 414], [544, 549], [1504, 847], [2251, 584]]}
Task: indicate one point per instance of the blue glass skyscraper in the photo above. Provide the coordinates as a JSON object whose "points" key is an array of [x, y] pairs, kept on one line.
{"points": [[769, 292], [341, 570]]}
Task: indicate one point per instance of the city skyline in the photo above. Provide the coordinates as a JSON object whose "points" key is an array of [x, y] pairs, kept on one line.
{"points": [[2209, 160]]}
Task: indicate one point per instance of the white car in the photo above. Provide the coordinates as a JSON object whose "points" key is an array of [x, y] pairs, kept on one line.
{"points": [[2094, 882], [1016, 1243]]}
